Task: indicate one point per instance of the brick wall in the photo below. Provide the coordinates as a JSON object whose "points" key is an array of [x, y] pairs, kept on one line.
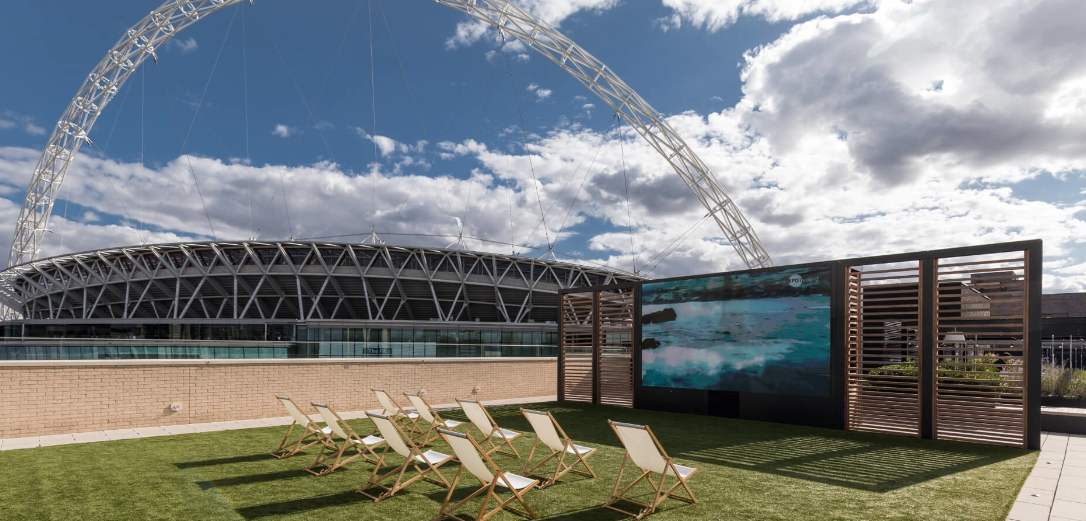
{"points": [[57, 397]]}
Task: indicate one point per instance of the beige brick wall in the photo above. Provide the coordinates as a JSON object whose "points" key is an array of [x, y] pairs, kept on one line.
{"points": [[58, 397]]}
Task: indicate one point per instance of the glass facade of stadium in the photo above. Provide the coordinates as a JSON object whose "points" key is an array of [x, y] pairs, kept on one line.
{"points": [[286, 300]]}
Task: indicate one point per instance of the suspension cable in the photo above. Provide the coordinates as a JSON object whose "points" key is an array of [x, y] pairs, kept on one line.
{"points": [[245, 97], [298, 89], [676, 243], [587, 174], [373, 137], [188, 160], [214, 65], [275, 146], [524, 135], [109, 138], [629, 211], [573, 175], [482, 125]]}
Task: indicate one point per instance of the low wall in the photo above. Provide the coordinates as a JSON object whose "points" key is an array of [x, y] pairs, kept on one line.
{"points": [[58, 397]]}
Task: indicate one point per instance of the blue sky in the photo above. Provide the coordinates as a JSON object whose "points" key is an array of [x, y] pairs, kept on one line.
{"points": [[841, 127]]}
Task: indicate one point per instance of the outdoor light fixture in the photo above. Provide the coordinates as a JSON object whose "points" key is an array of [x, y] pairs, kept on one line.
{"points": [[954, 338]]}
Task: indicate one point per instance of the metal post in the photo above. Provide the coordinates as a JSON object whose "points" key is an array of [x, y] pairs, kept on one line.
{"points": [[927, 362]]}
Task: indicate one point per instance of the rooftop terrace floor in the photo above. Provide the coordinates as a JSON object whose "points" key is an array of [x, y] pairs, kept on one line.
{"points": [[747, 470]]}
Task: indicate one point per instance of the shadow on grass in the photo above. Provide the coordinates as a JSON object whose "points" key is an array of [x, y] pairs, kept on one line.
{"points": [[857, 460], [254, 478], [298, 506], [225, 461]]}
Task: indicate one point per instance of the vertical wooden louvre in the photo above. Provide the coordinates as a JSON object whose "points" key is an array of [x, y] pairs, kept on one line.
{"points": [[576, 348], [883, 330], [980, 350], [615, 362]]}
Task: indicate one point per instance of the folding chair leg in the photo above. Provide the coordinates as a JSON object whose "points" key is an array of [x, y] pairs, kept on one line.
{"points": [[284, 452]]}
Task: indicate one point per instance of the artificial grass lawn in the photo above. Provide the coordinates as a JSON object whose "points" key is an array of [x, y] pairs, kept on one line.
{"points": [[746, 470]]}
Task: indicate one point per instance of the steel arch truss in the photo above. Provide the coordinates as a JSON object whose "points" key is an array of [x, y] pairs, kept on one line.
{"points": [[71, 131], [141, 40], [293, 281]]}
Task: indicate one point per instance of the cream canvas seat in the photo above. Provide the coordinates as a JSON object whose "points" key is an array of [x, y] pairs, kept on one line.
{"points": [[490, 476], [309, 429], [396, 413], [481, 420], [332, 451], [412, 456], [427, 413], [560, 446], [644, 449]]}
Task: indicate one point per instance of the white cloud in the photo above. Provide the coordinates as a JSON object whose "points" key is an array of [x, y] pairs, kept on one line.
{"points": [[5, 124], [184, 45], [834, 151], [540, 93], [553, 12], [282, 130], [90, 217], [34, 129], [714, 15]]}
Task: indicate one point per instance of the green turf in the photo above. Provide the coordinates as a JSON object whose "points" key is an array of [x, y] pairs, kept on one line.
{"points": [[747, 470]]}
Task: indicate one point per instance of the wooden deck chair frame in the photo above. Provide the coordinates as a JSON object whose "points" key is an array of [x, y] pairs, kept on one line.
{"points": [[331, 455], [554, 438], [495, 430], [475, 463], [287, 448], [397, 440], [660, 463], [390, 408], [430, 415]]}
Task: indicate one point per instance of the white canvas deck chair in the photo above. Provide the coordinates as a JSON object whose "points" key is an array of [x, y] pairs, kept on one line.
{"points": [[491, 477], [554, 439], [431, 416], [486, 425], [309, 429], [331, 456], [393, 411], [644, 449], [412, 456]]}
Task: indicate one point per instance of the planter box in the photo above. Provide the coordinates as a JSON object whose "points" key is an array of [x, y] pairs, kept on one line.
{"points": [[1059, 401]]}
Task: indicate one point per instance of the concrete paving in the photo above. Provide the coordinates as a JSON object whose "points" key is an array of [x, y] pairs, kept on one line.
{"points": [[31, 442], [1056, 489]]}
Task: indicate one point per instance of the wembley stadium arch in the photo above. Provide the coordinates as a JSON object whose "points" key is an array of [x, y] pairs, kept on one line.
{"points": [[297, 298]]}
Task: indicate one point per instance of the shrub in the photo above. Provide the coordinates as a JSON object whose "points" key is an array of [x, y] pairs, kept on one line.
{"points": [[1063, 382], [967, 376]]}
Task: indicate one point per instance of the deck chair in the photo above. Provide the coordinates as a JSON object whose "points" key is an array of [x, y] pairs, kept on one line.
{"points": [[474, 459], [412, 456], [395, 412], [645, 451], [486, 425], [331, 456], [310, 429], [554, 439], [432, 417]]}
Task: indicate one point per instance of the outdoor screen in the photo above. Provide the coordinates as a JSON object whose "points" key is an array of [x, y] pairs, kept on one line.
{"points": [[766, 331]]}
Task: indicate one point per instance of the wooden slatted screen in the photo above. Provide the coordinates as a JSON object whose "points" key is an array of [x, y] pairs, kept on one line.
{"points": [[576, 347], [883, 328], [615, 364], [979, 349]]}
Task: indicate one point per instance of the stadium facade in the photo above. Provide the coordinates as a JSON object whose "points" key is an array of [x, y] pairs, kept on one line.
{"points": [[286, 299]]}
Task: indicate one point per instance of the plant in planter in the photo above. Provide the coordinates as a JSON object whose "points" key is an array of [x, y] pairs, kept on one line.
{"points": [[1062, 382]]}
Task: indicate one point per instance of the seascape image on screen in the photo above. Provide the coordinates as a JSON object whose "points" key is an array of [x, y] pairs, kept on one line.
{"points": [[759, 332]]}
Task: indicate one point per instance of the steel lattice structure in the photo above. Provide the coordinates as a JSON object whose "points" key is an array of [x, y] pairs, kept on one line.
{"points": [[140, 42], [293, 281]]}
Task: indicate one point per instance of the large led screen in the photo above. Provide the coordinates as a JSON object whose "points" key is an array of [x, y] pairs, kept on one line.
{"points": [[766, 331]]}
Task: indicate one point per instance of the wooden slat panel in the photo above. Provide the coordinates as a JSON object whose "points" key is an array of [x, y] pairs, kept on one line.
{"points": [[977, 399], [882, 324]]}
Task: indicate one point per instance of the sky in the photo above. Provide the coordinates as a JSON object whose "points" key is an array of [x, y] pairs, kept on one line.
{"points": [[841, 128]]}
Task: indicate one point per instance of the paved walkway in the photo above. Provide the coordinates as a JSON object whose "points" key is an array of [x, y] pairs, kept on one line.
{"points": [[168, 430], [1056, 489]]}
